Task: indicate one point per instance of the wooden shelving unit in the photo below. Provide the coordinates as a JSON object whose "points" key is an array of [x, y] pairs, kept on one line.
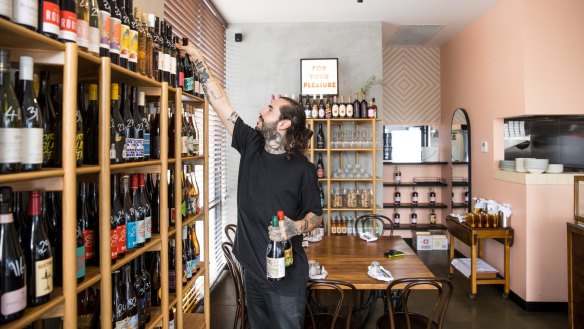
{"points": [[358, 153], [72, 66]]}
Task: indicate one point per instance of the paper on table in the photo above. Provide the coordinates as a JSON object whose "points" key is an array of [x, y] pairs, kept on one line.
{"points": [[382, 274], [322, 275], [463, 265]]}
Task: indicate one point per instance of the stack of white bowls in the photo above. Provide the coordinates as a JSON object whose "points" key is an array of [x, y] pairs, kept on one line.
{"points": [[508, 165], [555, 168], [520, 164], [536, 166]]}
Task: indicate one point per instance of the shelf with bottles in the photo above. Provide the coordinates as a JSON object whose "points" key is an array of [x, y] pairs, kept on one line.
{"points": [[460, 206], [192, 218], [37, 312], [417, 184], [426, 163], [413, 206], [414, 218], [32, 175], [418, 227]]}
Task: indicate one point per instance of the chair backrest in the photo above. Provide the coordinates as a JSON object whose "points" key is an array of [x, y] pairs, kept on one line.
{"points": [[318, 316], [365, 224], [230, 233], [438, 290], [235, 269]]}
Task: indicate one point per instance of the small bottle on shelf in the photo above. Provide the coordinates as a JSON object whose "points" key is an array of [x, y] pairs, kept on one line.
{"points": [[372, 110], [320, 167], [396, 218], [334, 226], [314, 111], [466, 196], [321, 108], [328, 110], [342, 109], [413, 218], [320, 139], [397, 175], [432, 218], [350, 109], [414, 196], [335, 109], [397, 196], [432, 196]]}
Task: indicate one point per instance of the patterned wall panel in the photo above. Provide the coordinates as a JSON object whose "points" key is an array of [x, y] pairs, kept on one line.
{"points": [[411, 89]]}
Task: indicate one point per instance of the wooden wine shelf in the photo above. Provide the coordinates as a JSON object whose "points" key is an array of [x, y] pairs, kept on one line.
{"points": [[195, 320], [123, 75], [141, 166], [32, 175], [415, 206], [92, 276], [34, 313], [190, 219], [351, 180], [156, 239], [351, 209], [186, 97], [361, 149], [88, 169], [193, 158], [155, 318], [173, 300]]}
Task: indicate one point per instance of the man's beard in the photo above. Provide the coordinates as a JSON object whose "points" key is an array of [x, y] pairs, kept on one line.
{"points": [[268, 130]]}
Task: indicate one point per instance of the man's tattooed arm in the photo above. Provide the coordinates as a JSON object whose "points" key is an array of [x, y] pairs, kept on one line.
{"points": [[292, 228]]}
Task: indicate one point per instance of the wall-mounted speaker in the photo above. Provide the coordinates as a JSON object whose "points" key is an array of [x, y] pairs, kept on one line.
{"points": [[238, 37]]}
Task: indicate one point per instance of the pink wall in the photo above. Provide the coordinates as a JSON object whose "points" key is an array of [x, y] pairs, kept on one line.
{"points": [[522, 57]]}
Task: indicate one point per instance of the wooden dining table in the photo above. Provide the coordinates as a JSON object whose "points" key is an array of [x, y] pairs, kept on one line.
{"points": [[346, 258]]}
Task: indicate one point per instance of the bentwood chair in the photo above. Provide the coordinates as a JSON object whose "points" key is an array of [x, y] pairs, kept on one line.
{"points": [[433, 300], [230, 233], [317, 316], [236, 272], [365, 223]]}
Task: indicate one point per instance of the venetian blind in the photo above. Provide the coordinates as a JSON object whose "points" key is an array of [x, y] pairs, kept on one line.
{"points": [[197, 20]]}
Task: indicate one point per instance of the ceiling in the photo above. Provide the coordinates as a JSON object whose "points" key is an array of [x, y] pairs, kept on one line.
{"points": [[451, 16]]}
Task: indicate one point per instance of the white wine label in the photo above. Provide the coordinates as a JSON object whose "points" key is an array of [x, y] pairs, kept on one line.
{"points": [[123, 324], [26, 12], [276, 267], [171, 324], [93, 46], [6, 218], [173, 65], [43, 277], [82, 33], [10, 144], [13, 301], [32, 146], [167, 63]]}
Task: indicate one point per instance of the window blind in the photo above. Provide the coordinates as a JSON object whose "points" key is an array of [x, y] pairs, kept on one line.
{"points": [[199, 21]]}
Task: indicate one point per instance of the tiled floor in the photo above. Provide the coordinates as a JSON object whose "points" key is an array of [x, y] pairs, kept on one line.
{"points": [[489, 310]]}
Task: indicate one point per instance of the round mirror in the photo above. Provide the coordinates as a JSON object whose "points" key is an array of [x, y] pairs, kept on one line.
{"points": [[460, 158]]}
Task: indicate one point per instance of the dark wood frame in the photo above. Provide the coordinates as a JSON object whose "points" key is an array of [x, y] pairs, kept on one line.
{"points": [[578, 194], [469, 148]]}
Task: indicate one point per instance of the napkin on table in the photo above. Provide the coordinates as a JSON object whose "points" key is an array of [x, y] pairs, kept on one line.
{"points": [[382, 274], [322, 275]]}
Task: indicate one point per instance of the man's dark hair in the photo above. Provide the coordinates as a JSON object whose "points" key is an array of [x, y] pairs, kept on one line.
{"points": [[297, 135]]}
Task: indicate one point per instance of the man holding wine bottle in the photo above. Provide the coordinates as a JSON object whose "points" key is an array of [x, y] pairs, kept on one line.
{"points": [[273, 175]]}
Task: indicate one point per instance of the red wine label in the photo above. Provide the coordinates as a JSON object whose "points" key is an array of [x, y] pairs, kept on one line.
{"points": [[89, 241], [50, 17], [114, 243], [121, 238], [43, 277], [116, 35], [181, 79], [68, 27], [13, 301], [148, 227]]}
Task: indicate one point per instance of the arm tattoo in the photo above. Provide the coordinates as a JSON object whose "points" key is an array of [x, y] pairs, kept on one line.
{"points": [[205, 79], [291, 229], [233, 117]]}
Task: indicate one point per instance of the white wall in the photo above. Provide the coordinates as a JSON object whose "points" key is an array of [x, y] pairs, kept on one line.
{"points": [[268, 62]]}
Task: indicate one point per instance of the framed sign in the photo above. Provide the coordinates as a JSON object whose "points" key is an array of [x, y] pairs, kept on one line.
{"points": [[319, 76]]}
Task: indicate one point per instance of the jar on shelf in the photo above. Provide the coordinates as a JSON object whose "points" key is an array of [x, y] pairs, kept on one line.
{"points": [[351, 198], [365, 198], [337, 198]]}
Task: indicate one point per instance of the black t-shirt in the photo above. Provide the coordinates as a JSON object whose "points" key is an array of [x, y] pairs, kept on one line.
{"points": [[268, 183]]}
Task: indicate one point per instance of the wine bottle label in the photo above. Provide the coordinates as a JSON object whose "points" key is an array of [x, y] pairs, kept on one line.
{"points": [[114, 243], [148, 227], [321, 113], [79, 146], [349, 110], [133, 49], [125, 40], [68, 27], [146, 144], [131, 235], [344, 230], [6, 218], [10, 144], [121, 239], [432, 199], [189, 84], [116, 35], [32, 149], [171, 324], [105, 28], [89, 241], [80, 261], [129, 149], [13, 301], [335, 111], [51, 16], [342, 111], [167, 63], [288, 256], [82, 33], [132, 322], [172, 216], [320, 172], [185, 144], [173, 65], [155, 147], [160, 60], [275, 267], [415, 199], [181, 79], [93, 45], [139, 145], [25, 12], [122, 324], [43, 277], [334, 230], [397, 199], [141, 230], [308, 113]]}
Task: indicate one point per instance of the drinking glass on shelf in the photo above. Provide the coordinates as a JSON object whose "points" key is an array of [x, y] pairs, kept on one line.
{"points": [[334, 139]]}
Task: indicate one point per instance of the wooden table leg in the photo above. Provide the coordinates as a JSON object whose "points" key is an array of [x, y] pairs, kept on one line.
{"points": [[473, 268], [451, 256], [507, 268]]}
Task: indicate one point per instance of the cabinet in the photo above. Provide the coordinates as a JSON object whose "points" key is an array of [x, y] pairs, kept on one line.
{"points": [[71, 67], [575, 275], [351, 146]]}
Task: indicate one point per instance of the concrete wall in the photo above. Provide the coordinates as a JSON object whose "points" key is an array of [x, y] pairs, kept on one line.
{"points": [[268, 62]]}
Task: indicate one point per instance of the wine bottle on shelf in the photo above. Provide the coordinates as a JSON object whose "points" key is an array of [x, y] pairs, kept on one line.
{"points": [[167, 50], [68, 16], [188, 252], [138, 212], [155, 291], [131, 298], [86, 221], [124, 34], [155, 205], [335, 108], [321, 109], [146, 209], [93, 41], [129, 216], [80, 254], [397, 196], [138, 285], [90, 140], [432, 217], [155, 135], [195, 134], [186, 272], [87, 301], [172, 265], [465, 196], [119, 302], [142, 27], [32, 128], [364, 106], [414, 196], [191, 192], [328, 109], [154, 56], [10, 120], [48, 18], [138, 125], [356, 107], [120, 220], [288, 253], [320, 167], [56, 96], [13, 280], [171, 196], [432, 196], [25, 13], [372, 109], [180, 70], [49, 123], [307, 109], [189, 82], [20, 219], [413, 218], [129, 152], [133, 49], [79, 129], [396, 218], [38, 255], [171, 129], [184, 196], [117, 129], [173, 55], [52, 217], [159, 41], [397, 175], [275, 258], [147, 282], [105, 27], [350, 109], [320, 140], [195, 247], [342, 109], [82, 27], [116, 33], [93, 197]]}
